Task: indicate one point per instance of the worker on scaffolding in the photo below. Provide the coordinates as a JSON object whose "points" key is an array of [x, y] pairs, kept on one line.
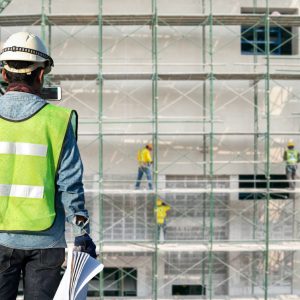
{"points": [[40, 176], [291, 157], [144, 160], [161, 215]]}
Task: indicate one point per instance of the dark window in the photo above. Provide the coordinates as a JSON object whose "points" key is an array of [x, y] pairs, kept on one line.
{"points": [[120, 282], [253, 40], [188, 290], [277, 181]]}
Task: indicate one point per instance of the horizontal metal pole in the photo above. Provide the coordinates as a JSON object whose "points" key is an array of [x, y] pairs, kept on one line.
{"points": [[208, 190], [176, 76], [147, 19], [91, 133]]}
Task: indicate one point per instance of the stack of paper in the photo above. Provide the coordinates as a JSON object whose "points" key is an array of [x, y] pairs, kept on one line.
{"points": [[81, 268]]}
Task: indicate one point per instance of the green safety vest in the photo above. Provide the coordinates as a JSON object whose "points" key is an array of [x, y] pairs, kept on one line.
{"points": [[292, 157], [29, 159]]}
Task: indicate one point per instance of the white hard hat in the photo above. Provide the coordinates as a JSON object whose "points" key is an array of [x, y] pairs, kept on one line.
{"points": [[24, 46], [275, 13]]}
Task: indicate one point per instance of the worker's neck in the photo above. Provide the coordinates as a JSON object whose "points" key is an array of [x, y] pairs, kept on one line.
{"points": [[23, 87]]}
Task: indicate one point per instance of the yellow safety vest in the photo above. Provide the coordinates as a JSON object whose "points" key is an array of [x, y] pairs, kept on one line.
{"points": [[30, 150], [292, 157]]}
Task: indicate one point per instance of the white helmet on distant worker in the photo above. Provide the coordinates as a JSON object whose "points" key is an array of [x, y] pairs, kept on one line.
{"points": [[24, 46]]}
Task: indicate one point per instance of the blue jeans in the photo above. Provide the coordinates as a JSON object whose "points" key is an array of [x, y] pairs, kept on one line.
{"points": [[291, 175], [147, 170], [40, 269]]}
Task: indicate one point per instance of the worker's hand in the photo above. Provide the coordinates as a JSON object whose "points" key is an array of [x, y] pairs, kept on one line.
{"points": [[86, 244]]}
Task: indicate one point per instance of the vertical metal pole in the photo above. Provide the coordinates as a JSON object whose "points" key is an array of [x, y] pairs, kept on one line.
{"points": [[267, 151], [43, 22], [43, 32], [255, 167], [100, 140], [155, 93], [255, 156], [211, 154], [155, 143], [204, 142], [256, 127], [49, 27]]}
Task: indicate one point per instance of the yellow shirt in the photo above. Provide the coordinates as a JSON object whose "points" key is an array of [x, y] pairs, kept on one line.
{"points": [[144, 156], [161, 213]]}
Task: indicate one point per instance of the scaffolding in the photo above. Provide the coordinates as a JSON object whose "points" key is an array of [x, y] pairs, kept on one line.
{"points": [[232, 248]]}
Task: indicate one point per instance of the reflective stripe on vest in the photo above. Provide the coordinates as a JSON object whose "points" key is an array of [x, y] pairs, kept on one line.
{"points": [[29, 159], [23, 191], [23, 149]]}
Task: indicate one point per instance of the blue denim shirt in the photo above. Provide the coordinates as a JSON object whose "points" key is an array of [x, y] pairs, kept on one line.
{"points": [[70, 193]]}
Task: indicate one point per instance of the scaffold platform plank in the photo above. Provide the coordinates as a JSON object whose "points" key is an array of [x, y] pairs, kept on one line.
{"points": [[147, 19], [111, 247], [176, 77]]}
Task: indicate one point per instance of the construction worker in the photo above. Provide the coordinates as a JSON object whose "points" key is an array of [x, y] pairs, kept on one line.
{"points": [[161, 214], [40, 175], [144, 160], [292, 157]]}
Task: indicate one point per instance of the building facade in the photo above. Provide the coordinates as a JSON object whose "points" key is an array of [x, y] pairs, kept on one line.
{"points": [[214, 86]]}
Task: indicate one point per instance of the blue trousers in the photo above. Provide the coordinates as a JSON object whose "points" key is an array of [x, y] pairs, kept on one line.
{"points": [[291, 175], [141, 171], [40, 269]]}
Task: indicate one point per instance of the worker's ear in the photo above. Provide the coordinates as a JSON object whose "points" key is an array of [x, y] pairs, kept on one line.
{"points": [[4, 76], [40, 77]]}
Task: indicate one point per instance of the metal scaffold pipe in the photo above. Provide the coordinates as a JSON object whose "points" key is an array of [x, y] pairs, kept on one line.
{"points": [[267, 148], [154, 28], [100, 141], [204, 139], [211, 153], [255, 149]]}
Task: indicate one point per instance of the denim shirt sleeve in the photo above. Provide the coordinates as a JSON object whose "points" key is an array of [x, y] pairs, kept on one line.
{"points": [[69, 182]]}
